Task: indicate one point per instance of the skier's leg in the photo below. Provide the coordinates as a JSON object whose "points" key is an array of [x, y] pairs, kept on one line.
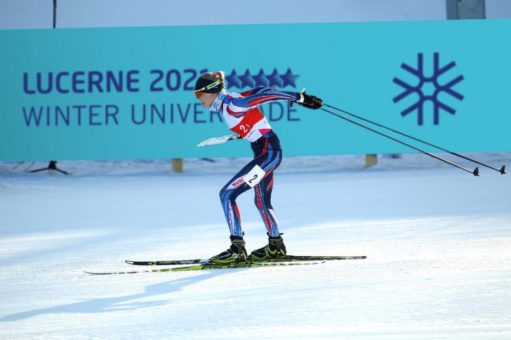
{"points": [[262, 201], [228, 194], [235, 187], [263, 190]]}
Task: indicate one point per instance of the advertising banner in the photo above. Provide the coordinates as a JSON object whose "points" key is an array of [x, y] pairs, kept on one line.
{"points": [[126, 93]]}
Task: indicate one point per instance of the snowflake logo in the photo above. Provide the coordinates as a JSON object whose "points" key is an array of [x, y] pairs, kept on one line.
{"points": [[428, 83], [274, 79]]}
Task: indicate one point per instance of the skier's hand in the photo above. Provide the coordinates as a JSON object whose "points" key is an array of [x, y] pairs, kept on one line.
{"points": [[309, 101]]}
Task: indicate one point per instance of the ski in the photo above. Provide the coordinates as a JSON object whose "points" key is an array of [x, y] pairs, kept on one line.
{"points": [[287, 258], [167, 262], [208, 266]]}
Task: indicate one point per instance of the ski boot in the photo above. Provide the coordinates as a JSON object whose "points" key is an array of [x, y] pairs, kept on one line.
{"points": [[235, 254], [274, 250]]}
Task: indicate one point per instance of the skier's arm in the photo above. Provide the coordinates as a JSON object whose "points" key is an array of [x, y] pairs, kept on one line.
{"points": [[260, 96]]}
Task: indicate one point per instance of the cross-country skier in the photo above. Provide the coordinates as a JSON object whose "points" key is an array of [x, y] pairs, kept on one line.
{"points": [[242, 115]]}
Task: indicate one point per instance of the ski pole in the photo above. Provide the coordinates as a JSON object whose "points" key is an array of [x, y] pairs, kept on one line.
{"points": [[502, 170], [475, 172]]}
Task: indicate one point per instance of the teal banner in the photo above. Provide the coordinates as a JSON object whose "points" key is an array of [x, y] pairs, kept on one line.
{"points": [[125, 93]]}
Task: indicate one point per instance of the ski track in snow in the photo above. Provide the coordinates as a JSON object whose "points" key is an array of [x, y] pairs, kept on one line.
{"points": [[438, 243]]}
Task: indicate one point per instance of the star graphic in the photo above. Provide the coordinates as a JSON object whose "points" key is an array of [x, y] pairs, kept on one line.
{"points": [[261, 79], [233, 80], [247, 80], [275, 79], [289, 78]]}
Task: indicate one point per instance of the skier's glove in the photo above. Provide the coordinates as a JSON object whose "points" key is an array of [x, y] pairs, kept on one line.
{"points": [[310, 102]]}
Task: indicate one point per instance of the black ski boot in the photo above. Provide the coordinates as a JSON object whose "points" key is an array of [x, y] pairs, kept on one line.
{"points": [[235, 254], [274, 250]]}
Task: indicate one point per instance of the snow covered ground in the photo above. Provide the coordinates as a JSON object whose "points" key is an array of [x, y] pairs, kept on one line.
{"points": [[438, 243]]}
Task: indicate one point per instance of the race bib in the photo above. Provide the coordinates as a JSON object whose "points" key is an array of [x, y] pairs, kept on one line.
{"points": [[254, 176]]}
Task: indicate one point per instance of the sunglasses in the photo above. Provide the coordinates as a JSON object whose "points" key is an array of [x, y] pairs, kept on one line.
{"points": [[199, 92]]}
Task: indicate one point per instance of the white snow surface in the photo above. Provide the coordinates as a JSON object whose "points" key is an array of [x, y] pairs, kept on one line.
{"points": [[437, 240]]}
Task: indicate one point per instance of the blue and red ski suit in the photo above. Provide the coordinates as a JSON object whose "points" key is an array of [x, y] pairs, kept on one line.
{"points": [[242, 115]]}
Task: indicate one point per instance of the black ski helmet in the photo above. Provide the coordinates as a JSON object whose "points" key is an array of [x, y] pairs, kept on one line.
{"points": [[210, 82]]}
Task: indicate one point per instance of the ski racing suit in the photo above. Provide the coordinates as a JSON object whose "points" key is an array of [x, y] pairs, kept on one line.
{"points": [[242, 115]]}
